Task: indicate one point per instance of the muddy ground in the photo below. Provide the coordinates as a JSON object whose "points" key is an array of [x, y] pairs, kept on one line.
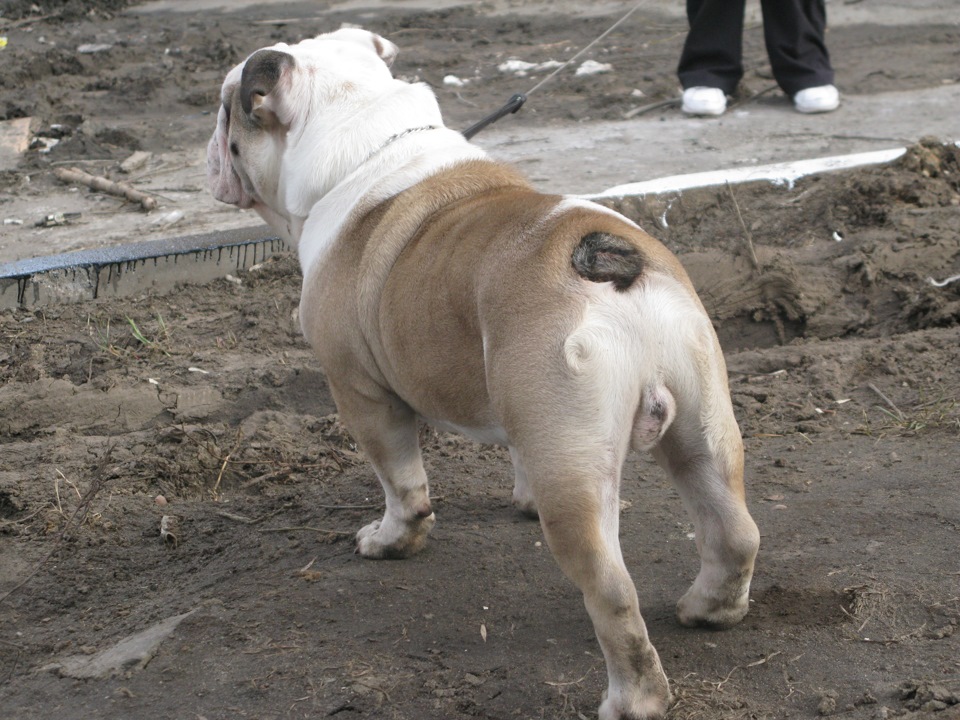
{"points": [[844, 369]]}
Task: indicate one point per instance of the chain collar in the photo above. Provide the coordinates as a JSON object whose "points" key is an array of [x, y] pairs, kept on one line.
{"points": [[396, 136]]}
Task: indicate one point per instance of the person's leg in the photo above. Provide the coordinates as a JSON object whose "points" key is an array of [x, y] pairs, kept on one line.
{"points": [[712, 53], [794, 34]]}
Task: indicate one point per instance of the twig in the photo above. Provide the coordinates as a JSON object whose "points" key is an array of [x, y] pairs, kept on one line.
{"points": [[56, 493], [386, 696], [887, 400], [27, 21], [350, 507], [751, 253], [286, 21], [162, 170], [16, 660], [748, 665], [307, 528], [644, 109], [81, 161], [4, 523], [97, 182], [571, 682], [223, 467], [251, 521], [748, 100], [81, 511], [272, 475]]}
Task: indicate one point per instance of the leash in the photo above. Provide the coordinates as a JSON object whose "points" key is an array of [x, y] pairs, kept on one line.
{"points": [[517, 101]]}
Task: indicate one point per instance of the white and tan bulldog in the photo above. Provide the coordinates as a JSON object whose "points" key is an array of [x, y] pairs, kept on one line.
{"points": [[439, 285]]}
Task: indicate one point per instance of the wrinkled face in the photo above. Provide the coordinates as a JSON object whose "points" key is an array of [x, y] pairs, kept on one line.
{"points": [[278, 96]]}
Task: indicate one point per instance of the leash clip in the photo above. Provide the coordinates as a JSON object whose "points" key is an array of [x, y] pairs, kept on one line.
{"points": [[513, 104]]}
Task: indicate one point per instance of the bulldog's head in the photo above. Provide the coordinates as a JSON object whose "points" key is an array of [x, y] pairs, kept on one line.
{"points": [[295, 119]]}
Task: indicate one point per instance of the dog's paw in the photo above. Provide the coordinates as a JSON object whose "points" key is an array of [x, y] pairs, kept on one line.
{"points": [[386, 540], [651, 707], [697, 609]]}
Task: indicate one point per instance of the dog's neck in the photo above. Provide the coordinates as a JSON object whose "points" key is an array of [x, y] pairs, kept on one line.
{"points": [[396, 136], [388, 172]]}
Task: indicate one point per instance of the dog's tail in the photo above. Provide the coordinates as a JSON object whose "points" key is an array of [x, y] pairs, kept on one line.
{"points": [[602, 257]]}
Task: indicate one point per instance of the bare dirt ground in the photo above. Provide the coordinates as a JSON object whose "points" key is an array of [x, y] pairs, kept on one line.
{"points": [[844, 369]]}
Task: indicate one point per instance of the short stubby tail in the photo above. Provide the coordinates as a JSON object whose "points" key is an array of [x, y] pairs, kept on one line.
{"points": [[656, 412], [602, 257]]}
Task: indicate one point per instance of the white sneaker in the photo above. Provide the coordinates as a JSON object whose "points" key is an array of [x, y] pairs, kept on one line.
{"points": [[824, 98], [704, 101]]}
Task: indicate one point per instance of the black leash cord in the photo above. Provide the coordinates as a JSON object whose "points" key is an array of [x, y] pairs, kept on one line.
{"points": [[517, 101], [513, 104]]}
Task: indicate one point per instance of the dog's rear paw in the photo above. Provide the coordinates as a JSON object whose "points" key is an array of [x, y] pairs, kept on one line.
{"points": [[392, 540], [696, 609]]}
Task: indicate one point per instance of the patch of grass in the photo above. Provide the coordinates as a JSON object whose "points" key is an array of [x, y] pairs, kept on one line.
{"points": [[154, 344], [120, 346], [937, 409]]}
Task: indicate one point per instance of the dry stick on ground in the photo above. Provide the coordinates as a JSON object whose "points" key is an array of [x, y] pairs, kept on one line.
{"points": [[306, 528], [644, 109], [747, 100], [752, 254], [16, 660], [96, 182], [27, 21], [761, 661], [79, 515], [887, 400]]}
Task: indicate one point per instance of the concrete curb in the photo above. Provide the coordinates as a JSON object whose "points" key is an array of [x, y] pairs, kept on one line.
{"points": [[124, 270], [161, 265]]}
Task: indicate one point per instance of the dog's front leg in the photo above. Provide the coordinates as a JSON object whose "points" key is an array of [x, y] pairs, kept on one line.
{"points": [[385, 427]]}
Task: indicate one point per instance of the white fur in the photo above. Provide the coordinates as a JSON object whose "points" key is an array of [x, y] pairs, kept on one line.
{"points": [[344, 108]]}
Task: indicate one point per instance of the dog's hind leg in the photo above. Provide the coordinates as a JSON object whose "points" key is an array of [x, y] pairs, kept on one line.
{"points": [[386, 428], [703, 453], [578, 500]]}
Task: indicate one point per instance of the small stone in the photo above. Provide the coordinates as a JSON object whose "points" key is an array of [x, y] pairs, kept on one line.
{"points": [[828, 703], [160, 500]]}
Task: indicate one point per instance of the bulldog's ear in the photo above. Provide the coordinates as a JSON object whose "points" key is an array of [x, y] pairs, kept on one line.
{"points": [[384, 49], [262, 74]]}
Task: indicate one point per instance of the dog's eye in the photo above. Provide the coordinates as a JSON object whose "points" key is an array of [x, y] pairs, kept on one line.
{"points": [[234, 149]]}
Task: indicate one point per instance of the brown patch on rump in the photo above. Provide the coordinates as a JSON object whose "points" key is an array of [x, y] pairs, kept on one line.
{"points": [[601, 257]]}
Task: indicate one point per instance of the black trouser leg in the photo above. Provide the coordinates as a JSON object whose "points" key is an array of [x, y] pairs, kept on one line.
{"points": [[713, 52], [794, 33]]}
